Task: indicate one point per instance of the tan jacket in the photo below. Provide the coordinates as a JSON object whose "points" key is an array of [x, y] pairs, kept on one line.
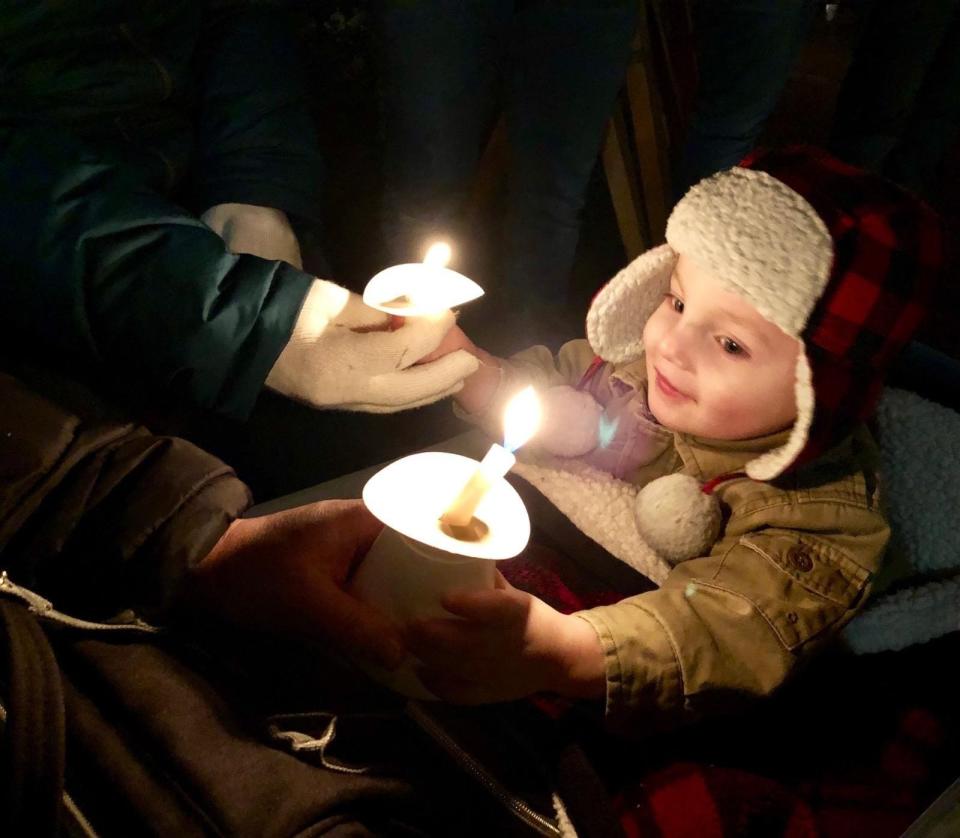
{"points": [[793, 564]]}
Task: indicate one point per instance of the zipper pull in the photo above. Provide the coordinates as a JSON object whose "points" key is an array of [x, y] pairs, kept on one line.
{"points": [[36, 603], [44, 610]]}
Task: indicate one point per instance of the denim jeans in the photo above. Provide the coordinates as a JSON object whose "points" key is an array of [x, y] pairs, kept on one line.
{"points": [[448, 66], [745, 51], [899, 108]]}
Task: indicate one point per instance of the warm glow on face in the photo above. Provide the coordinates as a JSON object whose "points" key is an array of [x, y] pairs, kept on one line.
{"points": [[438, 254], [521, 419], [716, 367]]}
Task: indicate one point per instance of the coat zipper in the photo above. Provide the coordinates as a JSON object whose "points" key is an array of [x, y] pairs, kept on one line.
{"points": [[520, 808]]}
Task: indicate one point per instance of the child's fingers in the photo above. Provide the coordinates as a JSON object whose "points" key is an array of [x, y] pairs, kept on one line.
{"points": [[438, 641], [453, 340]]}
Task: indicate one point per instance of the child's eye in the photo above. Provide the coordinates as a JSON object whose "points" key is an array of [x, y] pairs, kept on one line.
{"points": [[674, 302], [731, 347]]}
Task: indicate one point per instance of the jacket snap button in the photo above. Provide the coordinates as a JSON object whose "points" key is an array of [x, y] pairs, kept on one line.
{"points": [[792, 617], [800, 559]]}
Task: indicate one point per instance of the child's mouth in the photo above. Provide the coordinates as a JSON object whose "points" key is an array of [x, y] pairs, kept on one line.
{"points": [[665, 387]]}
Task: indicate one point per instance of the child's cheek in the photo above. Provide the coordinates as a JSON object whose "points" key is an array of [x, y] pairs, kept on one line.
{"points": [[652, 331], [726, 409]]}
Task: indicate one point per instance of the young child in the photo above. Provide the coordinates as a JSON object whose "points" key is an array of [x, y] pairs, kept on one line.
{"points": [[711, 435]]}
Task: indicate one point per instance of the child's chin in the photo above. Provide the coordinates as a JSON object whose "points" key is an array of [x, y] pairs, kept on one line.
{"points": [[676, 419], [666, 420]]}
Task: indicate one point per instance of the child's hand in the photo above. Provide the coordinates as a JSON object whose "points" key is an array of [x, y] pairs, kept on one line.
{"points": [[504, 644], [478, 389], [455, 339]]}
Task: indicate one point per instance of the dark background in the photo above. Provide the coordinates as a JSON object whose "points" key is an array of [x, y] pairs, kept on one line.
{"points": [[274, 451]]}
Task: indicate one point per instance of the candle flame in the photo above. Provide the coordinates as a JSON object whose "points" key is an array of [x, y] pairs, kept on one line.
{"points": [[521, 419], [438, 254]]}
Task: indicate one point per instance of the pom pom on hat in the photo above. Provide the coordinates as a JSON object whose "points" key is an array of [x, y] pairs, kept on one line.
{"points": [[571, 421], [677, 517]]}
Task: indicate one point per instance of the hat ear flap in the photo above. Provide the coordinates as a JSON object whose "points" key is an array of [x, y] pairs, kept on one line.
{"points": [[775, 462], [622, 307]]}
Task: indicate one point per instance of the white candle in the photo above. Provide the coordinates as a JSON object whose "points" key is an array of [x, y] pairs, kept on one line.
{"points": [[495, 464], [521, 418], [415, 562], [421, 288]]}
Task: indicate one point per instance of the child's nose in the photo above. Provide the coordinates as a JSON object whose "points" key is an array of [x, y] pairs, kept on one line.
{"points": [[675, 346]]}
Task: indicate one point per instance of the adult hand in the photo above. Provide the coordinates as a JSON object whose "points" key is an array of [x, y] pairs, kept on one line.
{"points": [[344, 354], [504, 644], [286, 573]]}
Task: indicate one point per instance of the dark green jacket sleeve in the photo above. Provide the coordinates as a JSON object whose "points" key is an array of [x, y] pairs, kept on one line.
{"points": [[100, 272], [257, 142], [99, 515]]}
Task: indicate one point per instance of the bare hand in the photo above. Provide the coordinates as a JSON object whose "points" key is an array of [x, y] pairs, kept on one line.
{"points": [[504, 644], [455, 339], [478, 389], [285, 574]]}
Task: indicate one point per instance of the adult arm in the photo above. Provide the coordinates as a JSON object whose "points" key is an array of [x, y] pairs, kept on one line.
{"points": [[96, 513], [103, 273], [101, 516]]}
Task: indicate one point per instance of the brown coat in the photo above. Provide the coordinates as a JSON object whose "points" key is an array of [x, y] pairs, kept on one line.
{"points": [[97, 514], [794, 562]]}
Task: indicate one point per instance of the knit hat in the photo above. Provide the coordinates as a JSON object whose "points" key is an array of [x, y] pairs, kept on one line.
{"points": [[835, 256]]}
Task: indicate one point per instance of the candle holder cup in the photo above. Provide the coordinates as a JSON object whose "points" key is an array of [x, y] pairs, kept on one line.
{"points": [[417, 559]]}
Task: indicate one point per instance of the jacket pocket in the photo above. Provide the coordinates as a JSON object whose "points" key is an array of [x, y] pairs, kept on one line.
{"points": [[810, 585]]}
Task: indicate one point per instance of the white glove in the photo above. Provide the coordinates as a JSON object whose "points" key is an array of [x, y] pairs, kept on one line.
{"points": [[329, 363], [261, 231]]}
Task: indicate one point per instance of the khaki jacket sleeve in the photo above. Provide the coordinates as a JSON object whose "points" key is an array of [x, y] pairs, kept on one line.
{"points": [[537, 367], [733, 625], [99, 515]]}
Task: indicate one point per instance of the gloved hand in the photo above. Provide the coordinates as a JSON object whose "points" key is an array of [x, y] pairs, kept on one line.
{"points": [[260, 231], [341, 355]]}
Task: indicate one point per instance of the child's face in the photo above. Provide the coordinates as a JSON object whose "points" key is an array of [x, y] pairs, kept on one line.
{"points": [[716, 368]]}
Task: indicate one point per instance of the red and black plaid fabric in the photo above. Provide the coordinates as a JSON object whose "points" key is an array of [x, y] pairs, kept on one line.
{"points": [[692, 800], [889, 254], [866, 762]]}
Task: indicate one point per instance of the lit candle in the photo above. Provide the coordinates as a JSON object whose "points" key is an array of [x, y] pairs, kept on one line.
{"points": [[416, 561], [419, 558], [421, 288], [521, 418]]}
